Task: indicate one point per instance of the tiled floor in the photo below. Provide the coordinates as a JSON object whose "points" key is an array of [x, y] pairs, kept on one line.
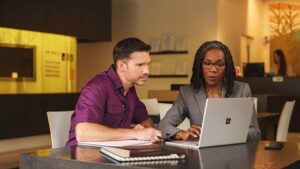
{"points": [[10, 160], [10, 149]]}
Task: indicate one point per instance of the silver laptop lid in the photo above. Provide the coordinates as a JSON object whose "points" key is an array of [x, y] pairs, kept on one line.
{"points": [[226, 121]]}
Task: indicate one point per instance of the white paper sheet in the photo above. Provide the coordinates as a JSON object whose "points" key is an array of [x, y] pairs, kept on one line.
{"points": [[116, 143]]}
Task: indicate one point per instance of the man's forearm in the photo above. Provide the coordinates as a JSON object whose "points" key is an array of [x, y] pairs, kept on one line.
{"points": [[98, 132]]}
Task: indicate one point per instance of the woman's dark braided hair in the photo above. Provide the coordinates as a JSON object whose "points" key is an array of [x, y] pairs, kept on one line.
{"points": [[197, 77]]}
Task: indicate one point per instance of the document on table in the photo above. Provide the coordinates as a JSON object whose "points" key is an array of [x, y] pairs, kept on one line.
{"points": [[115, 143]]}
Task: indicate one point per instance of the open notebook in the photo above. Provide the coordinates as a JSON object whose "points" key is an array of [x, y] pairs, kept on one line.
{"points": [[125, 155]]}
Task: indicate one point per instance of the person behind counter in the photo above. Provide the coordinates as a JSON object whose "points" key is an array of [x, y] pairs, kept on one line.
{"points": [[280, 64]]}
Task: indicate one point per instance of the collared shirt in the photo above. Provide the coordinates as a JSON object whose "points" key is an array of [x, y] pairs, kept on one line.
{"points": [[102, 101]]}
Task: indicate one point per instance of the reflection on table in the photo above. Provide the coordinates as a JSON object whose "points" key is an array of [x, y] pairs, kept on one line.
{"points": [[249, 155]]}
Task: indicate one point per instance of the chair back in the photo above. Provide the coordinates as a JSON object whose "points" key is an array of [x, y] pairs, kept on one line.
{"points": [[284, 121], [59, 124], [255, 103], [165, 107], [151, 106]]}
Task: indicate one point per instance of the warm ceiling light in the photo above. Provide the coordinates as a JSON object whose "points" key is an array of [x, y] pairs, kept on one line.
{"points": [[14, 75]]}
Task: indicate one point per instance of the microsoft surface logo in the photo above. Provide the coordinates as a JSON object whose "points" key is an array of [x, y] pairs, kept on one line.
{"points": [[228, 120]]}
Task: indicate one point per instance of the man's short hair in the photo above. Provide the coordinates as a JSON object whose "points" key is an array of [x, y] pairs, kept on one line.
{"points": [[125, 47]]}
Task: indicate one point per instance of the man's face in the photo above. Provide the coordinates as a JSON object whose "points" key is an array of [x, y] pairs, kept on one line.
{"points": [[136, 68], [213, 67]]}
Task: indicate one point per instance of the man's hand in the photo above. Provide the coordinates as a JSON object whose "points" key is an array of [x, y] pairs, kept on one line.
{"points": [[148, 133], [138, 126], [193, 132]]}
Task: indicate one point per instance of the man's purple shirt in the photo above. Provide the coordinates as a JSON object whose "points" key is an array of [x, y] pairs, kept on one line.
{"points": [[102, 101]]}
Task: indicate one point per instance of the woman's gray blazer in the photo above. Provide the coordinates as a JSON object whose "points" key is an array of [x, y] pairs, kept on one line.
{"points": [[191, 104]]}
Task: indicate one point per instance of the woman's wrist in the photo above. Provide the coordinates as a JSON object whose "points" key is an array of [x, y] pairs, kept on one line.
{"points": [[178, 135]]}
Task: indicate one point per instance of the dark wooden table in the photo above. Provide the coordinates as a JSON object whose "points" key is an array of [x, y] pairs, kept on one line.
{"points": [[261, 115], [249, 155]]}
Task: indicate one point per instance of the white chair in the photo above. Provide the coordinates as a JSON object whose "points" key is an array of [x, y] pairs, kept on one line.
{"points": [[165, 107], [151, 106], [255, 103], [59, 124], [284, 121]]}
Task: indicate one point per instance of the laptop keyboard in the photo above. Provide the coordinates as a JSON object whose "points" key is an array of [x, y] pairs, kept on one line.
{"points": [[188, 142]]}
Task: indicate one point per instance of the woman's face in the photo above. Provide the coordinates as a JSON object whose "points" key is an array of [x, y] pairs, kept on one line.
{"points": [[213, 67]]}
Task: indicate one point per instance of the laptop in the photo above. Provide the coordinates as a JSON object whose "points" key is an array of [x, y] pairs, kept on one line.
{"points": [[226, 121]]}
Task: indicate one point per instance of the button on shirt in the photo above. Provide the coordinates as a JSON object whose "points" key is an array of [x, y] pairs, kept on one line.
{"points": [[102, 101]]}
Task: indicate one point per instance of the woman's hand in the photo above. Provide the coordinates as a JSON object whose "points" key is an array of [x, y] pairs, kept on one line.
{"points": [[192, 133]]}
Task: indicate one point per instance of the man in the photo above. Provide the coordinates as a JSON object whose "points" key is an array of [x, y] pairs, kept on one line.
{"points": [[108, 105]]}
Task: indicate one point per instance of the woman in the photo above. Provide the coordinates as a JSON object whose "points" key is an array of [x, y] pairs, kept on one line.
{"points": [[282, 69], [213, 77]]}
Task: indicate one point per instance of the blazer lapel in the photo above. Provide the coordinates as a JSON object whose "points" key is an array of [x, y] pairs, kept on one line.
{"points": [[201, 99]]}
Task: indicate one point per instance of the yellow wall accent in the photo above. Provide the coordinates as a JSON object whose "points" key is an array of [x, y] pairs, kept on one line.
{"points": [[53, 74]]}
